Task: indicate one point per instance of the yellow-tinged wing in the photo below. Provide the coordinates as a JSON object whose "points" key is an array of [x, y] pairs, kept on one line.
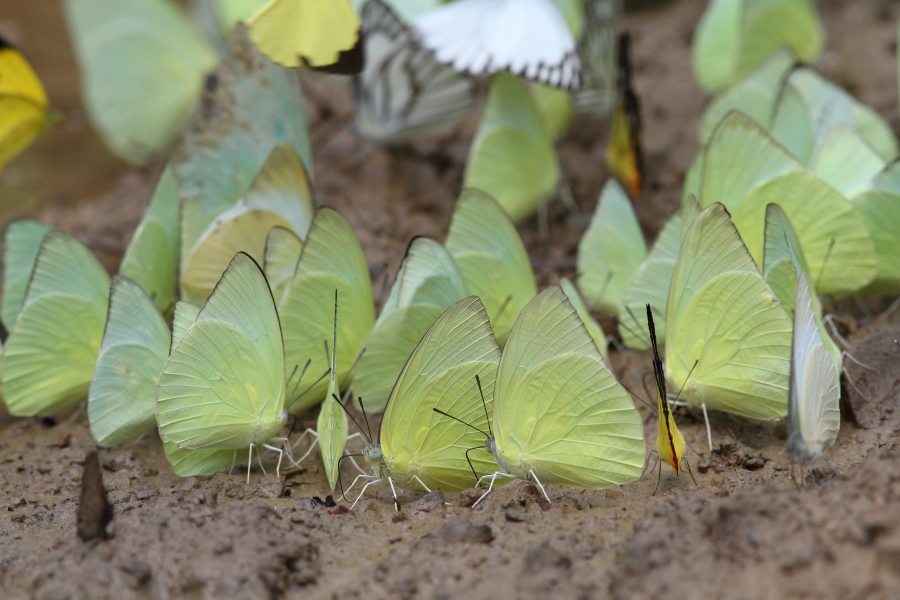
{"points": [[223, 387], [24, 110], [559, 414], [309, 33], [492, 258], [49, 357], [723, 316], [440, 373], [332, 260]]}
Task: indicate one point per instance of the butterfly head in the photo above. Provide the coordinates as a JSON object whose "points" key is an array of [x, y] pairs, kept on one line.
{"points": [[490, 444]]}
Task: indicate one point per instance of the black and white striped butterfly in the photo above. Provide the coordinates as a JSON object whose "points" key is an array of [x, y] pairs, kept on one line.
{"points": [[403, 91]]}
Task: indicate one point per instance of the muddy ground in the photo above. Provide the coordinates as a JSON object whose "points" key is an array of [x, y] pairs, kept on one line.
{"points": [[744, 530]]}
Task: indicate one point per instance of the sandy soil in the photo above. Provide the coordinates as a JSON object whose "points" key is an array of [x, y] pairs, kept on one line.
{"points": [[744, 530]]}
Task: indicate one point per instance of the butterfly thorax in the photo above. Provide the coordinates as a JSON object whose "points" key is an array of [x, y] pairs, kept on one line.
{"points": [[374, 457], [518, 465]]}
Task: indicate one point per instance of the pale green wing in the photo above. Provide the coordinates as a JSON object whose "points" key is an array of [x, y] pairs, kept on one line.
{"points": [[230, 140], [21, 242], [283, 249], [135, 346], [834, 236], [650, 285], [512, 157], [814, 414], [332, 260], [723, 316], [611, 250], [559, 414], [492, 258], [770, 25], [440, 373], [49, 357], [783, 261], [200, 463], [821, 96], [280, 196], [427, 284], [881, 210], [332, 425], [846, 162], [223, 385], [185, 315], [593, 327], [739, 157], [143, 67], [716, 43], [791, 126], [555, 107], [152, 255], [755, 95], [889, 178]]}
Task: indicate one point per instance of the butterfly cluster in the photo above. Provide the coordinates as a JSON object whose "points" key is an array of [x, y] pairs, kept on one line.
{"points": [[240, 303]]}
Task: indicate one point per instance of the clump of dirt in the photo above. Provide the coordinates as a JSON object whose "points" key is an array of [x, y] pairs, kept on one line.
{"points": [[743, 530]]}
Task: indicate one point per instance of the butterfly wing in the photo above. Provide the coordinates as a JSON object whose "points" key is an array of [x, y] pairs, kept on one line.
{"points": [[592, 326], [597, 54], [427, 284], [492, 258], [143, 65], [21, 243], [332, 425], [722, 315], [307, 305], [49, 357], [283, 249], [309, 33], [280, 196], [223, 385], [24, 111], [485, 36], [403, 91], [558, 412], [814, 415], [440, 373], [135, 346], [611, 250], [151, 257], [512, 158]]}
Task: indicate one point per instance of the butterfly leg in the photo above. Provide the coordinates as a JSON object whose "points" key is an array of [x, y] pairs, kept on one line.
{"points": [[416, 477], [233, 460], [708, 429], [538, 482], [647, 462], [280, 456], [259, 460], [490, 487], [373, 481], [312, 445], [688, 465], [249, 463], [394, 494]]}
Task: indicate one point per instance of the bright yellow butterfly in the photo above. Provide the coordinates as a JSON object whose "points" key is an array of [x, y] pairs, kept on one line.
{"points": [[309, 33], [24, 110]]}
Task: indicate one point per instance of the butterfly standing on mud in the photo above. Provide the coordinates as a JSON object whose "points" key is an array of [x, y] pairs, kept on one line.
{"points": [[670, 444]]}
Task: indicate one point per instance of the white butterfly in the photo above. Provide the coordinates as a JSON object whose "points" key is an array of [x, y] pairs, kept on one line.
{"points": [[403, 91], [528, 38], [814, 415]]}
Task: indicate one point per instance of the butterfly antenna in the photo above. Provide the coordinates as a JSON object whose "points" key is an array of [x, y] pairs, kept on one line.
{"points": [[349, 414], [824, 262], [638, 334], [644, 402], [484, 404], [341, 479], [311, 386], [469, 460], [681, 389], [366, 417], [440, 412]]}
